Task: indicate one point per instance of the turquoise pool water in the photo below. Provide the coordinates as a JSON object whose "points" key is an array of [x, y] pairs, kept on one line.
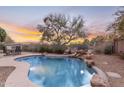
{"points": [[58, 71]]}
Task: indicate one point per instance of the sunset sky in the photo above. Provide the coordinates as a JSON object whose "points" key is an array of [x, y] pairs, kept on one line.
{"points": [[21, 22]]}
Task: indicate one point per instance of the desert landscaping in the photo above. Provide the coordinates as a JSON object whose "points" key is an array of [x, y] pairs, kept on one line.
{"points": [[62, 52]]}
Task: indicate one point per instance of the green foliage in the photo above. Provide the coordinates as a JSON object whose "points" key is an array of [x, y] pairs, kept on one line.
{"points": [[108, 50], [98, 51], [31, 47], [61, 30], [86, 42], [1, 46], [2, 35], [58, 49], [118, 25], [52, 49], [43, 48], [46, 48]]}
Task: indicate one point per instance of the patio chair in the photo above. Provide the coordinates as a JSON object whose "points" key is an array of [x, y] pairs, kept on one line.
{"points": [[18, 49], [8, 50]]}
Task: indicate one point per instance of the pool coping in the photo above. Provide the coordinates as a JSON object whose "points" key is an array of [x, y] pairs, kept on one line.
{"points": [[99, 71]]}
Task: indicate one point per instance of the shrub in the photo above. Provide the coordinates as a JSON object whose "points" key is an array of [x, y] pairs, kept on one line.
{"points": [[98, 51], [108, 50], [31, 47], [121, 55], [58, 49], [45, 48], [1, 46]]}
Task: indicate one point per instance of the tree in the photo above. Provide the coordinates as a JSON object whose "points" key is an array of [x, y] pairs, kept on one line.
{"points": [[118, 25], [86, 42], [97, 39], [2, 35], [61, 30], [8, 40]]}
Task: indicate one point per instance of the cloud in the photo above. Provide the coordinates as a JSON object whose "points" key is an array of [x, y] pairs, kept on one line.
{"points": [[21, 34]]}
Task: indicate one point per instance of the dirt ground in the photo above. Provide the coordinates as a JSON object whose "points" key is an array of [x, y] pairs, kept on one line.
{"points": [[111, 63], [5, 71]]}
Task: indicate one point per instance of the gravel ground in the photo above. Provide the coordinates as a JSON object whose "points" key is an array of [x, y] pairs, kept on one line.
{"points": [[112, 63], [1, 55], [5, 71]]}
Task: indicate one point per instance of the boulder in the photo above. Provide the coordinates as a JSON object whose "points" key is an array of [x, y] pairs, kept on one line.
{"points": [[67, 51], [105, 63], [88, 56], [97, 81], [82, 52], [113, 75], [90, 63]]}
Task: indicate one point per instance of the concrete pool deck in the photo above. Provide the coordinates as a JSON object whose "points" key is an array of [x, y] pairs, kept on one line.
{"points": [[19, 77]]}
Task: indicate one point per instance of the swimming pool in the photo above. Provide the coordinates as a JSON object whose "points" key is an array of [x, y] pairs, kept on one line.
{"points": [[51, 71]]}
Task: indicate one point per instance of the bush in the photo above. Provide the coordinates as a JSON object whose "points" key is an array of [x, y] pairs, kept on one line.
{"points": [[1, 46], [79, 46], [31, 47], [52, 48], [46, 48], [43, 48], [121, 55], [58, 49], [108, 50], [98, 51]]}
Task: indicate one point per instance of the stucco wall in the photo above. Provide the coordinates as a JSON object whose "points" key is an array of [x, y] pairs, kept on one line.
{"points": [[102, 45], [120, 46]]}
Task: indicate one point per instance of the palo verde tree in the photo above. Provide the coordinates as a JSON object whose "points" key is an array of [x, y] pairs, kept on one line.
{"points": [[2, 35], [118, 25], [60, 30]]}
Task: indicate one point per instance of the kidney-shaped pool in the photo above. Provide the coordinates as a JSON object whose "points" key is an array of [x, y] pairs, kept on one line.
{"points": [[51, 71]]}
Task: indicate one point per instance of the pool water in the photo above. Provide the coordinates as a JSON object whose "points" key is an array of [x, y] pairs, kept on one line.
{"points": [[58, 71]]}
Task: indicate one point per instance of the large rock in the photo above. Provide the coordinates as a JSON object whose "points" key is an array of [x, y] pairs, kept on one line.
{"points": [[90, 63], [113, 75], [88, 56], [101, 73], [97, 81], [67, 51], [82, 52]]}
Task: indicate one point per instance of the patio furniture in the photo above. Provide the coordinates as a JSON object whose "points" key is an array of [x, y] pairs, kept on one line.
{"points": [[12, 49], [8, 50]]}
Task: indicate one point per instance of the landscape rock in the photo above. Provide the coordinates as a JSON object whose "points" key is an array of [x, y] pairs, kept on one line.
{"points": [[113, 75], [105, 63], [97, 81], [88, 56], [90, 63]]}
